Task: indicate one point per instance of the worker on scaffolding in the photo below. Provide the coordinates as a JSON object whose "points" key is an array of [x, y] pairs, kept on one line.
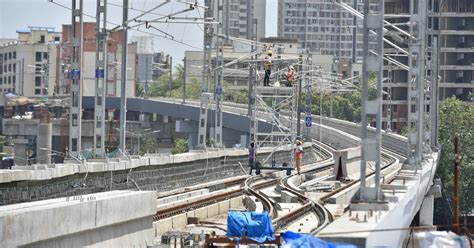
{"points": [[298, 155], [251, 157], [290, 75], [267, 65]]}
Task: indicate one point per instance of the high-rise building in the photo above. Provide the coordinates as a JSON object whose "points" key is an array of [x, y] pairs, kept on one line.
{"points": [[454, 26], [321, 26], [28, 64], [238, 17]]}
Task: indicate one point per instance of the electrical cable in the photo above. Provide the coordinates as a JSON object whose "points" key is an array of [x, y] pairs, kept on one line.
{"points": [[134, 29]]}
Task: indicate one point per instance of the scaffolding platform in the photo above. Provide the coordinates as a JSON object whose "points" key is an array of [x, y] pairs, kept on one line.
{"points": [[271, 90]]}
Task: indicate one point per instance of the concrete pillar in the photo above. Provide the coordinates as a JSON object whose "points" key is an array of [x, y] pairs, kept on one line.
{"points": [[20, 151], [146, 117], [427, 211], [243, 140], [44, 139]]}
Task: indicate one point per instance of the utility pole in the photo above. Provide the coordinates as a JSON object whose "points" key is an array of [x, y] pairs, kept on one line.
{"points": [[170, 87], [219, 77], [100, 78], [76, 60], [184, 80], [457, 164], [123, 74]]}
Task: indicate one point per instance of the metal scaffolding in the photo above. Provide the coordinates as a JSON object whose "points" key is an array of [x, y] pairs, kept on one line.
{"points": [[76, 61], [283, 128], [100, 78]]}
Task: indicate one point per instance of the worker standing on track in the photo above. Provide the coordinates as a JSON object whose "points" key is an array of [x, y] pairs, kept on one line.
{"points": [[251, 157], [298, 156], [267, 65]]}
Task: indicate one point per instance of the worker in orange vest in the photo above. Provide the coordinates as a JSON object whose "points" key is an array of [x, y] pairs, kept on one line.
{"points": [[298, 156], [290, 75]]}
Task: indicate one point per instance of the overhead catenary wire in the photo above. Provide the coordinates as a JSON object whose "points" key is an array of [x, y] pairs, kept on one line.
{"points": [[134, 29]]}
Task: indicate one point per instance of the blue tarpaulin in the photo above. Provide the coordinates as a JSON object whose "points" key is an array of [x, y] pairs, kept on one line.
{"points": [[296, 240], [256, 226]]}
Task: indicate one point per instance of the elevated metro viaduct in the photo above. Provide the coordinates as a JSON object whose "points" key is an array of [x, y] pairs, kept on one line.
{"points": [[412, 188]]}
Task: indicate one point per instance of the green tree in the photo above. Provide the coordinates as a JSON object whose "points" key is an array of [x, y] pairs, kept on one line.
{"points": [[180, 146], [456, 118], [149, 146], [140, 91]]}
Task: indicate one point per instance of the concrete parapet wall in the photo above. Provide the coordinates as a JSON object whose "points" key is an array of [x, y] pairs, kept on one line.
{"points": [[409, 188], [117, 218]]}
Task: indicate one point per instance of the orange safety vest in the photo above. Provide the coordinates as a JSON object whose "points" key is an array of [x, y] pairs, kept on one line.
{"points": [[290, 75]]}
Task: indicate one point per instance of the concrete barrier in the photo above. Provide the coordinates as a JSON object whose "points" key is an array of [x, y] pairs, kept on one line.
{"points": [[116, 218], [347, 163]]}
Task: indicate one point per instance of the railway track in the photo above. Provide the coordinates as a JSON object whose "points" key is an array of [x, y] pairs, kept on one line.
{"points": [[394, 150]]}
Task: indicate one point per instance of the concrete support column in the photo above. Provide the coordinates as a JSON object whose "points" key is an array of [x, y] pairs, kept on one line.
{"points": [[145, 117], [427, 211], [20, 151], [44, 139]]}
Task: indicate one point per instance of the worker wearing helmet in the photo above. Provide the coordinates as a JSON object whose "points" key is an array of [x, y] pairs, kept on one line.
{"points": [[267, 65], [290, 75], [298, 156]]}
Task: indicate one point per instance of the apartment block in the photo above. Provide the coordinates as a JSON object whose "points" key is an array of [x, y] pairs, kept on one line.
{"points": [[29, 64], [454, 25], [238, 17]]}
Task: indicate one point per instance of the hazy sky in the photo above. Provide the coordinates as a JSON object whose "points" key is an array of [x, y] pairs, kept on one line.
{"points": [[18, 14]]}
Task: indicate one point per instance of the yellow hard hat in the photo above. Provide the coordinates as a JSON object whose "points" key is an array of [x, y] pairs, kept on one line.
{"points": [[298, 142], [270, 52]]}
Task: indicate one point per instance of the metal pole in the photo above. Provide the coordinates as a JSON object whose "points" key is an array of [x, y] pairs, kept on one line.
{"points": [[365, 79], [379, 100], [100, 82], [76, 42], [457, 164], [354, 36], [46, 71], [123, 96], [139, 142], [171, 76], [184, 80], [300, 83], [205, 96], [434, 95]]}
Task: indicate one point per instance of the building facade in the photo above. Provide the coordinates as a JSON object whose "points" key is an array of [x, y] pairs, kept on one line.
{"points": [[114, 53], [238, 17], [323, 27], [454, 26], [29, 64]]}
